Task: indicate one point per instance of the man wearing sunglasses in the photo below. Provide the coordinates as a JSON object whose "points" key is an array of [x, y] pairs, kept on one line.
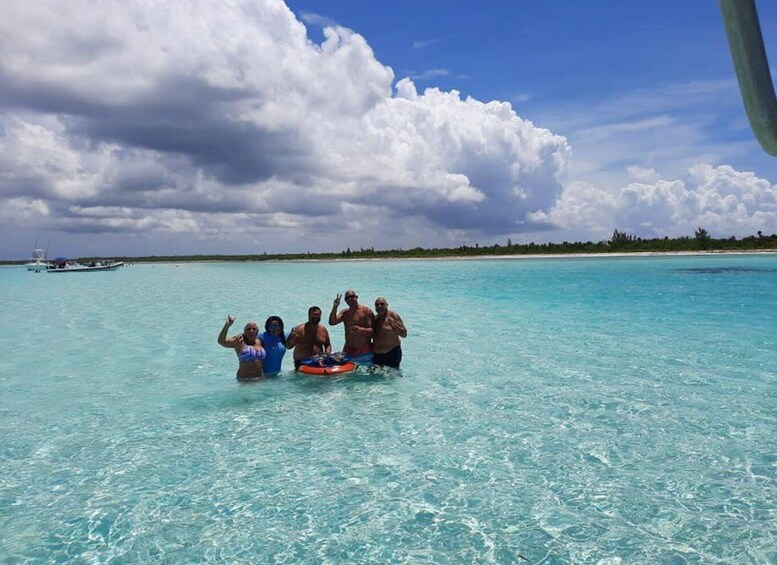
{"points": [[357, 320]]}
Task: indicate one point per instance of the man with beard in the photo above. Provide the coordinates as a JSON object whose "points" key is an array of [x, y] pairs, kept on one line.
{"points": [[309, 339]]}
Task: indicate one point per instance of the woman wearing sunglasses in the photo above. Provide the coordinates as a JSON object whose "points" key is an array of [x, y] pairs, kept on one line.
{"points": [[274, 341]]}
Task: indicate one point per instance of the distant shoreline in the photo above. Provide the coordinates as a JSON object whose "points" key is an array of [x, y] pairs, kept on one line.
{"points": [[482, 257], [621, 244], [523, 256], [518, 256]]}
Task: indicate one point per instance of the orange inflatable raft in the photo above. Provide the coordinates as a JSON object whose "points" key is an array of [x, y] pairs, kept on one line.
{"points": [[327, 371]]}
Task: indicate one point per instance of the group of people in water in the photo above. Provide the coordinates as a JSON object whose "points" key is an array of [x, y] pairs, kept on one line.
{"points": [[369, 338]]}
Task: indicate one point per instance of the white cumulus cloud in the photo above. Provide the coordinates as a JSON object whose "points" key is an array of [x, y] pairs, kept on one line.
{"points": [[136, 111], [214, 120], [720, 199]]}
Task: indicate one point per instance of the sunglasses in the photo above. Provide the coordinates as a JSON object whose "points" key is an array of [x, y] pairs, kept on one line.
{"points": [[351, 296], [274, 326]]}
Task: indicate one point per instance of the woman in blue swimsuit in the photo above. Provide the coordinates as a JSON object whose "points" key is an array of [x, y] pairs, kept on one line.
{"points": [[274, 341], [248, 348]]}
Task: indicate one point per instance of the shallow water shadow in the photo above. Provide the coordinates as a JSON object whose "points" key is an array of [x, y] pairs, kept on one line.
{"points": [[247, 392], [259, 380], [375, 374], [724, 270], [362, 374]]}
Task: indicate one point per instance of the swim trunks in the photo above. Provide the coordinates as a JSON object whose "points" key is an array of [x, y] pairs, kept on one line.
{"points": [[357, 351], [389, 359]]}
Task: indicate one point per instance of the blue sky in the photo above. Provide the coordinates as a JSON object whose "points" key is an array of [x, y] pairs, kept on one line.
{"points": [[550, 50], [262, 126], [552, 59]]}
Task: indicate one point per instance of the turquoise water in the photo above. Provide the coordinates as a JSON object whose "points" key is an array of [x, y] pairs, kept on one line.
{"points": [[617, 410]]}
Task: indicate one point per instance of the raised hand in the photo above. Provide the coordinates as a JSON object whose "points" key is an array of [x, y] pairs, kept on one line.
{"points": [[230, 321], [337, 300]]}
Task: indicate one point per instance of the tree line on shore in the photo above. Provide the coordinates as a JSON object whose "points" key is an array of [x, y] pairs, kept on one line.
{"points": [[620, 242]]}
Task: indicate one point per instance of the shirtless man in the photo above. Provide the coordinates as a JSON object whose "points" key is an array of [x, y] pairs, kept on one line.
{"points": [[358, 325], [388, 328], [309, 339], [248, 348]]}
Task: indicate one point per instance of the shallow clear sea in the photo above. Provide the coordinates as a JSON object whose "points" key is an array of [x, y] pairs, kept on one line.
{"points": [[595, 410]]}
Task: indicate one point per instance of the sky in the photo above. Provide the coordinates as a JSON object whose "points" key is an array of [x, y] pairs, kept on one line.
{"points": [[136, 128]]}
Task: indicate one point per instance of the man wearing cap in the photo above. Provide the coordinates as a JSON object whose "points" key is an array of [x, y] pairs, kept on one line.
{"points": [[357, 320]]}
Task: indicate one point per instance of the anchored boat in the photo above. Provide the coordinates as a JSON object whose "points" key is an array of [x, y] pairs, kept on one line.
{"points": [[62, 265], [38, 261]]}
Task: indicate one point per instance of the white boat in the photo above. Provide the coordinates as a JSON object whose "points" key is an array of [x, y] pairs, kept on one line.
{"points": [[38, 261], [62, 265]]}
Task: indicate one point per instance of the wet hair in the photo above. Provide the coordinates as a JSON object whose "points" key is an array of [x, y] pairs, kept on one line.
{"points": [[312, 308], [278, 319]]}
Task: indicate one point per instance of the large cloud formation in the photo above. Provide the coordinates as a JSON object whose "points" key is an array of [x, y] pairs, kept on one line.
{"points": [[720, 199], [217, 118], [210, 121]]}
